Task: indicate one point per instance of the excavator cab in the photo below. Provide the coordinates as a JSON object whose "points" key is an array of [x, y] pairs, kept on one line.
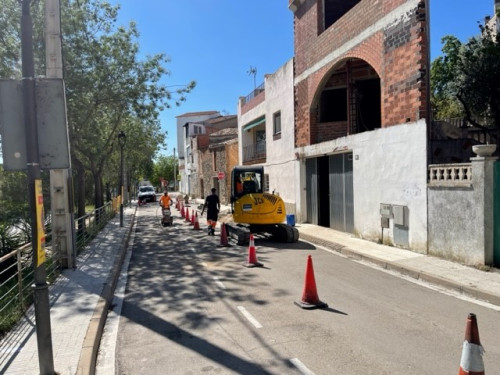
{"points": [[246, 180], [255, 210]]}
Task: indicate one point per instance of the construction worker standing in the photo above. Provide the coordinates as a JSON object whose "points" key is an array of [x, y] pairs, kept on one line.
{"points": [[212, 204]]}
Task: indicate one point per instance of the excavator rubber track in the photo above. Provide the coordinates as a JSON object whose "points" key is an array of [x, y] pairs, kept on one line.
{"points": [[278, 232]]}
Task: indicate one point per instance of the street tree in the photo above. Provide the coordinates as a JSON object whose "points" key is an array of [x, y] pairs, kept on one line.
{"points": [[164, 168], [109, 89], [465, 80]]}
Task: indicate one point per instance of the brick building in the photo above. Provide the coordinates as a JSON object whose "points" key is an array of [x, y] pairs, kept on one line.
{"points": [[217, 155], [361, 82]]}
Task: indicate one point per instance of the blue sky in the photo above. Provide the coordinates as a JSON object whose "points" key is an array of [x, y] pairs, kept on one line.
{"points": [[215, 42]]}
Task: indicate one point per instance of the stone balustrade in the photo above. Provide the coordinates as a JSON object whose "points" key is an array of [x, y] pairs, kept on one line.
{"points": [[450, 175]]}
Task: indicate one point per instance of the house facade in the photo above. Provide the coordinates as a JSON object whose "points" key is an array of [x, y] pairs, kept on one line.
{"points": [[188, 126], [361, 87], [266, 133], [217, 155]]}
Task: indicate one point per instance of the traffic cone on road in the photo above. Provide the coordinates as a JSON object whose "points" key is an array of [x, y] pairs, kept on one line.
{"points": [[187, 214], [223, 235], [310, 299], [252, 256], [471, 362], [192, 218], [196, 223], [182, 211]]}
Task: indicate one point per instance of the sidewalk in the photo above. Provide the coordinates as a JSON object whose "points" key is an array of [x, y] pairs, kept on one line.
{"points": [[80, 298], [79, 302]]}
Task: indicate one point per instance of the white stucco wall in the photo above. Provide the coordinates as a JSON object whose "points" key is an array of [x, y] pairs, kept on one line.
{"points": [[389, 166], [280, 153], [182, 142], [461, 218]]}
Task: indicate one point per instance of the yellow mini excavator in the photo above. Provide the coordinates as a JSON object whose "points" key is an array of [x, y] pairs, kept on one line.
{"points": [[255, 211]]}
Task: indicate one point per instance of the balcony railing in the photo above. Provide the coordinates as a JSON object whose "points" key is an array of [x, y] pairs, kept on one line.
{"points": [[254, 93], [254, 152]]}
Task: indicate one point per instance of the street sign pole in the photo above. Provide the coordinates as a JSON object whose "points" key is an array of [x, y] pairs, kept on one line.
{"points": [[41, 290]]}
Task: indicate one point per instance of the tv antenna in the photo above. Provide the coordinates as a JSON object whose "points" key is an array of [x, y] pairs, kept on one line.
{"points": [[253, 72]]}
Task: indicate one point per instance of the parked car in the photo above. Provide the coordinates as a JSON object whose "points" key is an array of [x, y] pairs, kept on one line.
{"points": [[146, 194]]}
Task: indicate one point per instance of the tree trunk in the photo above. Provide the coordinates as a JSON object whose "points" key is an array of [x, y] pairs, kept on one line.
{"points": [[80, 194]]}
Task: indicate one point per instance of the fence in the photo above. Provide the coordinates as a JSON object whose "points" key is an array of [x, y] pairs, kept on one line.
{"points": [[16, 268]]}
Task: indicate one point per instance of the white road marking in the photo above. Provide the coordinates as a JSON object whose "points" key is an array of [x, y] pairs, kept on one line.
{"points": [[219, 283], [301, 367], [204, 264], [249, 317], [425, 284]]}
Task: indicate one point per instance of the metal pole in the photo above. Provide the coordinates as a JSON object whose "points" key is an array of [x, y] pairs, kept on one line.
{"points": [[121, 184], [41, 291]]}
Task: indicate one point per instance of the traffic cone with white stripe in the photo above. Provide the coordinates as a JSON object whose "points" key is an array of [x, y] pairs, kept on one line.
{"points": [[310, 299], [472, 351], [187, 214], [196, 222], [252, 255]]}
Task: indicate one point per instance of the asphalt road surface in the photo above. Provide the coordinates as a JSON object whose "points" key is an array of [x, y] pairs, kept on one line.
{"points": [[192, 307]]}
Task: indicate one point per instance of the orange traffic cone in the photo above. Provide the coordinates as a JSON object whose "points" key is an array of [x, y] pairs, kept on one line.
{"points": [[471, 362], [192, 218], [223, 235], [252, 256], [182, 211], [187, 214], [310, 299], [196, 222]]}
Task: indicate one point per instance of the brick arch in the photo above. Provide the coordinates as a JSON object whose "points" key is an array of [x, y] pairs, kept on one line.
{"points": [[334, 88], [327, 71]]}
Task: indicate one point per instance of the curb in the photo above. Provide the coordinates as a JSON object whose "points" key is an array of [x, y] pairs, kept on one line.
{"points": [[462, 289], [88, 354]]}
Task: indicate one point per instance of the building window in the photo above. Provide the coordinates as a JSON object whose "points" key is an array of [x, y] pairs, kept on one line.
{"points": [[214, 160], [334, 9], [277, 123]]}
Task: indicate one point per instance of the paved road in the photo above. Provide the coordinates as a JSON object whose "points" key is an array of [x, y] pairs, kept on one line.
{"points": [[191, 307]]}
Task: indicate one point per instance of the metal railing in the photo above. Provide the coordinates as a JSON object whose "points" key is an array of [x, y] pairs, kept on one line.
{"points": [[254, 93], [16, 267], [254, 152]]}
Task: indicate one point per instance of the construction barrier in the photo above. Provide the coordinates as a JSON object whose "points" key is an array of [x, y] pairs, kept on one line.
{"points": [[223, 235], [310, 299], [471, 362], [252, 255], [196, 225]]}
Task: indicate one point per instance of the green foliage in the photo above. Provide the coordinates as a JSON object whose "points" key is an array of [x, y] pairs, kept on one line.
{"points": [[465, 81], [164, 168], [109, 87], [110, 90]]}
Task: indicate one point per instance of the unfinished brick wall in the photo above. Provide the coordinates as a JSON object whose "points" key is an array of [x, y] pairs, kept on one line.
{"points": [[390, 35]]}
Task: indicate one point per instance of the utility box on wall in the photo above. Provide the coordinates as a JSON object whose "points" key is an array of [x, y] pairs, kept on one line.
{"points": [[401, 225], [385, 210], [400, 215]]}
